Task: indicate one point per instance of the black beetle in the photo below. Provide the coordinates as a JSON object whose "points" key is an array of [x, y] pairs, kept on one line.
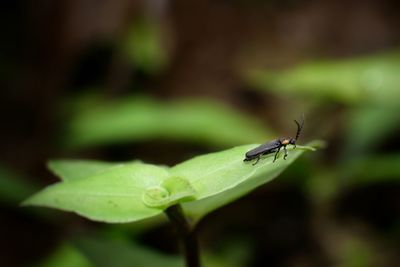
{"points": [[274, 146]]}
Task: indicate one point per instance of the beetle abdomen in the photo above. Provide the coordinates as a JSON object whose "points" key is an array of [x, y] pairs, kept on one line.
{"points": [[264, 149]]}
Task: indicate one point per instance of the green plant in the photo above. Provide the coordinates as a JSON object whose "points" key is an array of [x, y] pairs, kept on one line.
{"points": [[133, 191], [96, 121], [367, 79]]}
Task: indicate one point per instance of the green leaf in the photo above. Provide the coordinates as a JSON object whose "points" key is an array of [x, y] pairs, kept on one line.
{"points": [[111, 253], [371, 170], [373, 78], [326, 185], [106, 252], [134, 191], [13, 187], [143, 46], [220, 178], [137, 119], [179, 188], [367, 127], [78, 169], [113, 195], [66, 256]]}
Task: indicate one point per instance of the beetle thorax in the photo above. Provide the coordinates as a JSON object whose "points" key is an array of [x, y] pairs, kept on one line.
{"points": [[285, 141]]}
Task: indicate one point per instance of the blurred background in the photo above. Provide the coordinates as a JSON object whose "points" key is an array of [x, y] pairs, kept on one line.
{"points": [[163, 81]]}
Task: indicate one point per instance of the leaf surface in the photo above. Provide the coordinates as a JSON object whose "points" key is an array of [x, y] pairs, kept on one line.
{"points": [[134, 191], [219, 178], [78, 169], [113, 195]]}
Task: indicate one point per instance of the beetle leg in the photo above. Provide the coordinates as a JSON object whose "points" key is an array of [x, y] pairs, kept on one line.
{"points": [[284, 157], [276, 154], [258, 158]]}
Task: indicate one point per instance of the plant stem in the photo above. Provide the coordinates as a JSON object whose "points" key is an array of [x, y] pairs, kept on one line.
{"points": [[186, 233]]}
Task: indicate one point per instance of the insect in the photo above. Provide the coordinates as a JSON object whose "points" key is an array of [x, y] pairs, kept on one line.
{"points": [[274, 146]]}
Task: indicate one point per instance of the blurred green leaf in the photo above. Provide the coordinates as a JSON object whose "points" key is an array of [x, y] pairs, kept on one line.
{"points": [[323, 185], [13, 187], [326, 184], [357, 253], [373, 169], [204, 122], [99, 251], [66, 256], [368, 127], [372, 78], [233, 253], [111, 253], [143, 46]]}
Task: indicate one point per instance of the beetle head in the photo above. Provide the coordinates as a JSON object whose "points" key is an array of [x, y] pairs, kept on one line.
{"points": [[292, 141]]}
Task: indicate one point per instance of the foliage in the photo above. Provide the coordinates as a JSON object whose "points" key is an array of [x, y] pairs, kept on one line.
{"points": [[66, 255], [364, 79], [97, 122], [13, 187], [126, 192], [104, 252], [353, 101], [143, 46]]}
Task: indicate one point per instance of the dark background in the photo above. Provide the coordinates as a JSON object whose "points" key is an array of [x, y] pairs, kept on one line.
{"points": [[55, 53]]}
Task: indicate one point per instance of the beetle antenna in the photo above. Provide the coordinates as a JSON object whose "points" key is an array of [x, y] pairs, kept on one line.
{"points": [[299, 127]]}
